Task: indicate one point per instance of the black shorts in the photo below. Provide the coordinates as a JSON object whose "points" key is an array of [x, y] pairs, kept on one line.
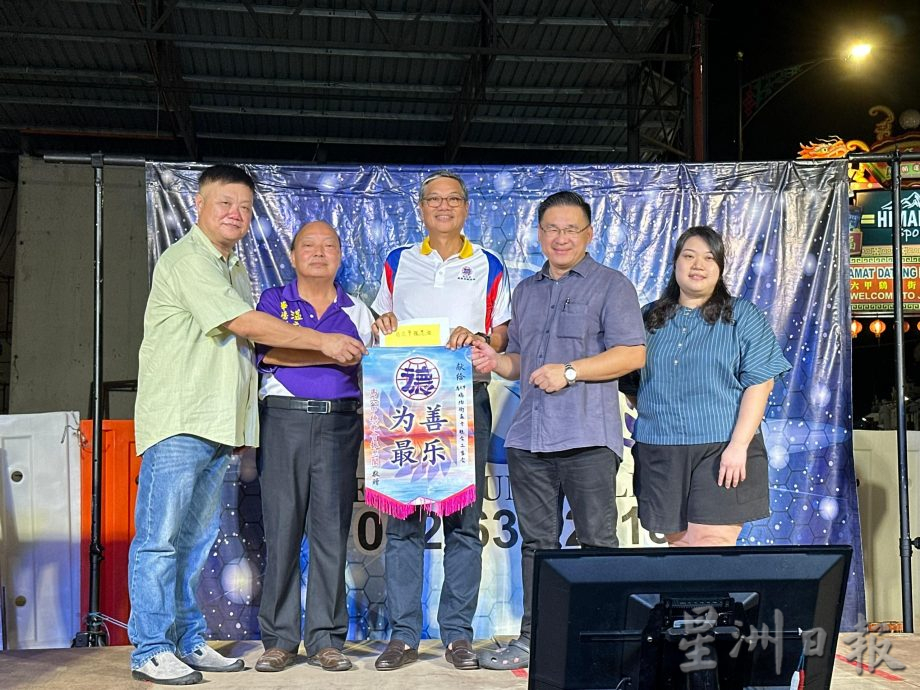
{"points": [[675, 485]]}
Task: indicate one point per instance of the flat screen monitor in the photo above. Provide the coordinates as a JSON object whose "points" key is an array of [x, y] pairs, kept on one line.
{"points": [[695, 618]]}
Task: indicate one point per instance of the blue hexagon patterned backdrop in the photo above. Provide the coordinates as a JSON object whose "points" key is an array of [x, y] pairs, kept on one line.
{"points": [[784, 225]]}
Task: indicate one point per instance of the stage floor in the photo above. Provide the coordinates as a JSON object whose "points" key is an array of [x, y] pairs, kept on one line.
{"points": [[108, 667]]}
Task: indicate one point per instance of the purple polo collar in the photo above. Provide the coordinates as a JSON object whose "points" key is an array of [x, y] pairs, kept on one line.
{"points": [[289, 293]]}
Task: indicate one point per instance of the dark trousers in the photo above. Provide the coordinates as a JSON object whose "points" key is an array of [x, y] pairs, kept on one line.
{"points": [[587, 478], [307, 472], [405, 554]]}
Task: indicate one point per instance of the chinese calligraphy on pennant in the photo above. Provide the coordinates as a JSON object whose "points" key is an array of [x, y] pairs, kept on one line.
{"points": [[419, 430]]}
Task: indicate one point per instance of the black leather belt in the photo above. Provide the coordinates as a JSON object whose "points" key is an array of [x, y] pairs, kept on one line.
{"points": [[312, 406]]}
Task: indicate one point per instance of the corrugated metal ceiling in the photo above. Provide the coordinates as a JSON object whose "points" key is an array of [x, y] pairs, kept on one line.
{"points": [[411, 80]]}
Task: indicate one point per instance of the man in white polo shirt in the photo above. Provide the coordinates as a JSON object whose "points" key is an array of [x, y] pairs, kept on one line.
{"points": [[444, 276]]}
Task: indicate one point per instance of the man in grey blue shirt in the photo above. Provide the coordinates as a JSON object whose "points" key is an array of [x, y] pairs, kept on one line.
{"points": [[575, 329]]}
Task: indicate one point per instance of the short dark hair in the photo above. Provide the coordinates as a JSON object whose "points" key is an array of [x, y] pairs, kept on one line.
{"points": [[719, 306], [450, 176], [564, 198], [226, 174]]}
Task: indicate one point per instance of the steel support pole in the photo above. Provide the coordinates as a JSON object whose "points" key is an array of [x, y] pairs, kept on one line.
{"points": [[905, 545], [95, 634]]}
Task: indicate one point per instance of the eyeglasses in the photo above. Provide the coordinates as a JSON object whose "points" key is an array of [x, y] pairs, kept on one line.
{"points": [[435, 201], [568, 231]]}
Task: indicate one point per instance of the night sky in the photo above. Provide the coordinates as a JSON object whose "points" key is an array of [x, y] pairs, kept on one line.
{"points": [[832, 99]]}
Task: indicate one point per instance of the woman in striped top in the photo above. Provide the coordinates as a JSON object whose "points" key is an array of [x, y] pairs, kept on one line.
{"points": [[700, 460]]}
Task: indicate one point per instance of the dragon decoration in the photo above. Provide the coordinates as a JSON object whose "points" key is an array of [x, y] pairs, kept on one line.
{"points": [[873, 175]]}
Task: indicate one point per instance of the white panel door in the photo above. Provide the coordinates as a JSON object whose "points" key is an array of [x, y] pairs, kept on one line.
{"points": [[40, 528], [876, 457]]}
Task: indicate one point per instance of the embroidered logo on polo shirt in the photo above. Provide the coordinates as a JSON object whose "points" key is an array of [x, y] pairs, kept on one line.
{"points": [[466, 274], [293, 316]]}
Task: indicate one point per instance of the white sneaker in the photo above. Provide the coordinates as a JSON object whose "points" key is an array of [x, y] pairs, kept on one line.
{"points": [[206, 659], [166, 669]]}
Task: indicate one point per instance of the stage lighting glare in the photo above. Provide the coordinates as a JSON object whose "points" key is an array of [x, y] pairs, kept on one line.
{"points": [[858, 51]]}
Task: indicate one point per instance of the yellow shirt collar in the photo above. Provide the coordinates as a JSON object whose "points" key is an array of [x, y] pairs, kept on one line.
{"points": [[466, 251]]}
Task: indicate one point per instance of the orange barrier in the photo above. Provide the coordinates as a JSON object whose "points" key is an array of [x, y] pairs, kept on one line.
{"points": [[120, 467]]}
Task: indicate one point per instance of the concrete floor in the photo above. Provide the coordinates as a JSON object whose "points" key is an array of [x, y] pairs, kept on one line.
{"points": [[108, 667]]}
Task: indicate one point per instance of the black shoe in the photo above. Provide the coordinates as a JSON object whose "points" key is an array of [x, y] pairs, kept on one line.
{"points": [[460, 653], [514, 655], [330, 659], [275, 659], [395, 656]]}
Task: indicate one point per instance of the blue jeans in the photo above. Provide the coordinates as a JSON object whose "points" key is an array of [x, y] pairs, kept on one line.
{"points": [[176, 522], [405, 555]]}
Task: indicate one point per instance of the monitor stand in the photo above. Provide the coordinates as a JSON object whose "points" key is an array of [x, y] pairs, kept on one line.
{"points": [[689, 644]]}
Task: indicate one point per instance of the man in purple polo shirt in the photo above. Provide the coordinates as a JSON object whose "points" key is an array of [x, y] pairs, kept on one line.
{"points": [[310, 436], [575, 329]]}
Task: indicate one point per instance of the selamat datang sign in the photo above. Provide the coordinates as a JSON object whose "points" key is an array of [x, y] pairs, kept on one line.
{"points": [[872, 279]]}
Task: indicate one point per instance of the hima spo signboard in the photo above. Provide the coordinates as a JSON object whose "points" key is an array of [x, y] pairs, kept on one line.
{"points": [[872, 279]]}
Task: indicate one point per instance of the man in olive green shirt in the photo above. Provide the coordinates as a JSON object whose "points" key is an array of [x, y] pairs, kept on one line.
{"points": [[196, 402]]}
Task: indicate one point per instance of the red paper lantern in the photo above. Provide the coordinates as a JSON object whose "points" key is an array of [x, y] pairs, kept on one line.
{"points": [[877, 327], [855, 328]]}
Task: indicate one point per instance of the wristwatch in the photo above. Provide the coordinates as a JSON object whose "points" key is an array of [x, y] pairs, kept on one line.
{"points": [[570, 375], [486, 337]]}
